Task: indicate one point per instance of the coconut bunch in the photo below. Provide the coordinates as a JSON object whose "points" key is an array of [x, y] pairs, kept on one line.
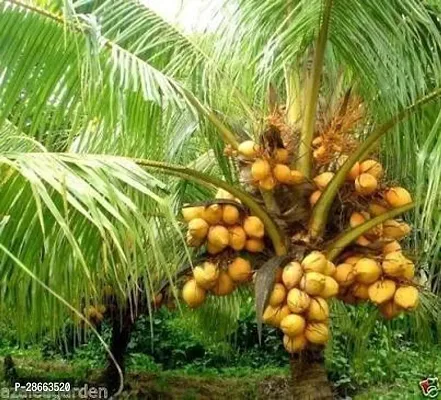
{"points": [[385, 280], [95, 313], [219, 226], [218, 279], [365, 178], [298, 303], [268, 168]]}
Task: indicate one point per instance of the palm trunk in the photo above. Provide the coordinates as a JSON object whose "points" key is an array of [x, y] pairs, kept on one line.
{"points": [[309, 377], [121, 332]]}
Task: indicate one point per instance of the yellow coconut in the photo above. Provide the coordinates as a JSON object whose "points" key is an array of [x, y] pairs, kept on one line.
{"points": [[395, 229], [253, 227], [281, 156], [218, 236], [224, 285], [192, 241], [274, 315], [248, 149], [393, 264], [389, 310], [314, 262], [376, 209], [298, 301], [317, 332], [268, 183], [193, 294], [318, 310], [323, 179], [356, 219], [280, 314], [198, 228], [354, 172], [397, 197], [409, 270], [240, 270], [352, 260], [315, 197], [295, 344], [206, 275], [237, 237], [382, 291], [297, 177], [391, 246], [190, 213], [372, 167], [360, 291], [367, 271], [313, 283], [278, 295], [211, 249], [406, 297], [293, 325], [282, 173], [363, 241], [292, 274], [269, 314], [365, 184], [230, 214], [254, 245], [213, 214], [344, 274], [260, 169], [329, 269], [331, 288]]}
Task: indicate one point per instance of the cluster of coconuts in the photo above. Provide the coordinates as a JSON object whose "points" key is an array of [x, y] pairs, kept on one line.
{"points": [[385, 279], [383, 276], [216, 279], [365, 175], [95, 314], [223, 225], [298, 301], [269, 168]]}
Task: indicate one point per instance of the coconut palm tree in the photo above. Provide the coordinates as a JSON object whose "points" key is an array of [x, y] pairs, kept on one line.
{"points": [[111, 118]]}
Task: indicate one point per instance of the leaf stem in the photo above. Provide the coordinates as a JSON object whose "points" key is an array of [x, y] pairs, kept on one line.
{"points": [[276, 236], [346, 238], [304, 162]]}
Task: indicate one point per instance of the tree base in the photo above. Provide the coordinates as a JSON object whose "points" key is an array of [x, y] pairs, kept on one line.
{"points": [[309, 377]]}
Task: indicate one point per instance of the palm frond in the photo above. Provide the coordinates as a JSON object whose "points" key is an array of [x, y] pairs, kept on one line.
{"points": [[78, 224]]}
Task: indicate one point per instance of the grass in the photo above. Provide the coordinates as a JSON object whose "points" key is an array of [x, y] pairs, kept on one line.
{"points": [[187, 384], [217, 383]]}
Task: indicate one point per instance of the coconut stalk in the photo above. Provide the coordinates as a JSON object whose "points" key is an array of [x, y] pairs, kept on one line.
{"points": [[304, 162], [277, 237], [344, 240], [321, 210]]}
